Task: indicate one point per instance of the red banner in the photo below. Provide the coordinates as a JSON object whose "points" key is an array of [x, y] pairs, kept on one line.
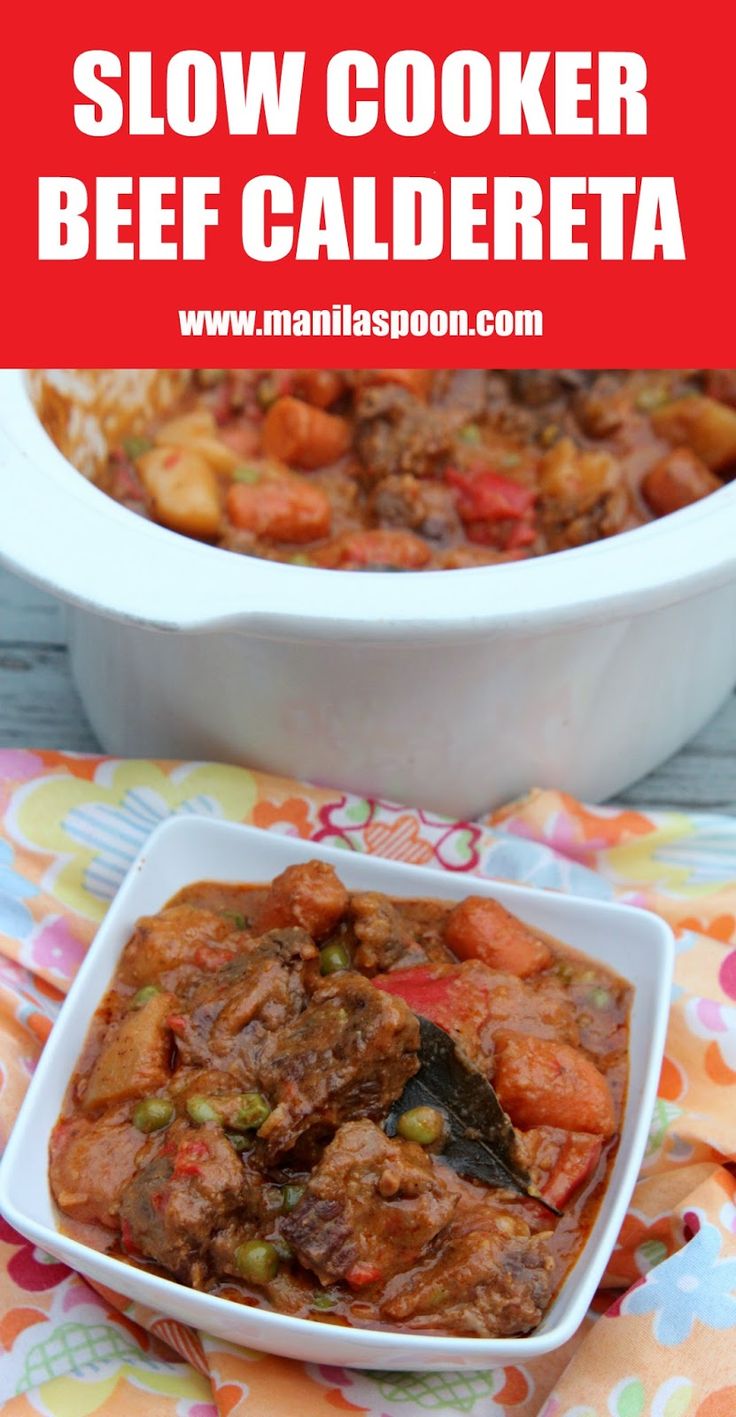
{"points": [[531, 186]]}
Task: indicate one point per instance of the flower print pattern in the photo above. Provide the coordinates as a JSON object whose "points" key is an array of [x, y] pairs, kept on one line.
{"points": [[490, 1393], [68, 824], [292, 816], [28, 1267], [95, 829], [16, 919], [388, 830], [693, 1285]]}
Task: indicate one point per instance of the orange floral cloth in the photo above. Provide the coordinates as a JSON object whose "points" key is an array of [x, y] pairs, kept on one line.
{"points": [[660, 1340]]}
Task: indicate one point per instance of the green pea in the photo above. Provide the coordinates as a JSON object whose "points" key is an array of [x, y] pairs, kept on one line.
{"points": [[323, 1300], [470, 433], [300, 559], [253, 1109], [149, 991], [136, 447], [151, 1114], [246, 474], [601, 998], [239, 1141], [258, 1261], [201, 1110], [291, 1197], [267, 391], [236, 917], [333, 958], [424, 1125], [653, 396], [549, 435]]}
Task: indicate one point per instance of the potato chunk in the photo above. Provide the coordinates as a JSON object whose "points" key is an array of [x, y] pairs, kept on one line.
{"points": [[135, 1060], [574, 478], [198, 432], [184, 491], [705, 425]]}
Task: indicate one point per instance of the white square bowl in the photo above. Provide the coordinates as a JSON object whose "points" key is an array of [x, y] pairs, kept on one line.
{"points": [[634, 943]]}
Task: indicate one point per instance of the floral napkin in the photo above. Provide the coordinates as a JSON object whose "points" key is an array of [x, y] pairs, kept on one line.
{"points": [[660, 1340]]}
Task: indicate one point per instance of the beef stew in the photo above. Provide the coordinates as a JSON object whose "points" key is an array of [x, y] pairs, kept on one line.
{"points": [[268, 1108], [406, 469]]}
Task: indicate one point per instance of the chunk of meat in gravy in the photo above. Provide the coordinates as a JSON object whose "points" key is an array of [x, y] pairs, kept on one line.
{"points": [[180, 1198], [426, 507], [487, 1276], [231, 1014], [310, 896], [398, 433], [348, 1055], [382, 935], [479, 928], [162, 943], [542, 1083], [90, 1164], [370, 1207]]}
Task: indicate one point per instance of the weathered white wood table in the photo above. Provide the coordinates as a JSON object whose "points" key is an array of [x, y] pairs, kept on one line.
{"points": [[39, 708]]}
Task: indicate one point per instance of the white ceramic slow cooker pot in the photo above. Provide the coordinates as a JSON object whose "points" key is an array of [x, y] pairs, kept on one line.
{"points": [[448, 690]]}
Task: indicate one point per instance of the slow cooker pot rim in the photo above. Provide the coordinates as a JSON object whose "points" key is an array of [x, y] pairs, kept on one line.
{"points": [[62, 532]]}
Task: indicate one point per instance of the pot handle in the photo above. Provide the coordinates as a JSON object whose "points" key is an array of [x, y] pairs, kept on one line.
{"points": [[60, 531]]}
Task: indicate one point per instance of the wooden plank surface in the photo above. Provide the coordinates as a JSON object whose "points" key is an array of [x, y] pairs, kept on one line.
{"points": [[40, 708]]}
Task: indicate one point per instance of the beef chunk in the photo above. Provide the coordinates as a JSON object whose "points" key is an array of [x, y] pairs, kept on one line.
{"points": [[487, 1275], [163, 943], [230, 1014], [370, 1207], [396, 432], [423, 505], [90, 1163], [181, 1197], [382, 936], [310, 896], [349, 1054]]}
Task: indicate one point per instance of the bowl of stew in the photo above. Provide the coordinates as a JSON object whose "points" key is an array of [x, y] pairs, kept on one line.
{"points": [[437, 586], [343, 1109]]}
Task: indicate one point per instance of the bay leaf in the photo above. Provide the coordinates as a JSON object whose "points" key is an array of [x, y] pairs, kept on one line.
{"points": [[479, 1140]]}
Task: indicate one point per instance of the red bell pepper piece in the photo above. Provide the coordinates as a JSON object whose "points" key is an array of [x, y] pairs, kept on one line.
{"points": [[578, 1157], [361, 1274], [489, 497], [425, 988]]}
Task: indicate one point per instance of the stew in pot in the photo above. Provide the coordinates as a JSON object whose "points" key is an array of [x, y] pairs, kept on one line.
{"points": [[376, 1112], [412, 469]]}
